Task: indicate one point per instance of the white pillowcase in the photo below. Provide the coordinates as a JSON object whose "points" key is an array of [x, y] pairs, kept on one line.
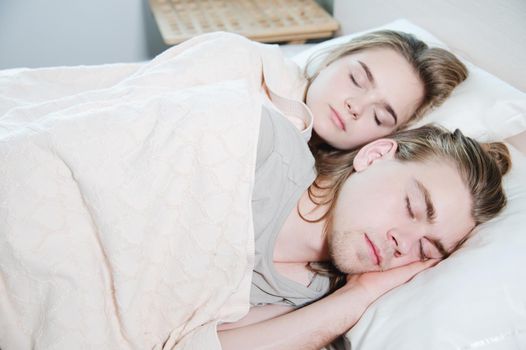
{"points": [[475, 299], [483, 106]]}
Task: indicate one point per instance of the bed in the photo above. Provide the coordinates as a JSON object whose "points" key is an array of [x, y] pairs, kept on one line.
{"points": [[473, 300]]}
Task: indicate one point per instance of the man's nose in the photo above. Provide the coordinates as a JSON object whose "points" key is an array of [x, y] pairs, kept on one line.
{"points": [[403, 241]]}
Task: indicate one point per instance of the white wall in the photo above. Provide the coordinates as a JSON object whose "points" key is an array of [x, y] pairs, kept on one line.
{"points": [[39, 33]]}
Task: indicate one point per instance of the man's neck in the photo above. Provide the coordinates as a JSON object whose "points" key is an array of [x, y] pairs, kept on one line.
{"points": [[300, 241]]}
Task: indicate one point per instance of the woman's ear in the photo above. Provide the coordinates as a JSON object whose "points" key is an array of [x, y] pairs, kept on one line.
{"points": [[373, 151]]}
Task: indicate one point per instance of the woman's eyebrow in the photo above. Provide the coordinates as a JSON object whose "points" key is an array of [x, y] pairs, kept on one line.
{"points": [[391, 111], [370, 77], [368, 73]]}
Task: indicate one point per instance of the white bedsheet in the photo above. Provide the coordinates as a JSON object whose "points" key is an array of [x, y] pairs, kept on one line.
{"points": [[125, 218]]}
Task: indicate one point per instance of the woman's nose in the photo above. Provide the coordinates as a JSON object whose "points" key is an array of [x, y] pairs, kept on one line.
{"points": [[354, 108]]}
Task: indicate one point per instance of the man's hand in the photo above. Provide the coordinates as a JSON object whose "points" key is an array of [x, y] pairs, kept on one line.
{"points": [[371, 285], [317, 324]]}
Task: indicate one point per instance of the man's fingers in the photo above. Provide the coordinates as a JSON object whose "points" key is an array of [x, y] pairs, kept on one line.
{"points": [[381, 282], [403, 274]]}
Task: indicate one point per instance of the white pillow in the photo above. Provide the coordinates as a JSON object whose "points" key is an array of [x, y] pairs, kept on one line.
{"points": [[483, 106], [475, 299]]}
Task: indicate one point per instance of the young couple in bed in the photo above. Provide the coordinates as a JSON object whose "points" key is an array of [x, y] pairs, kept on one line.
{"points": [[374, 205]]}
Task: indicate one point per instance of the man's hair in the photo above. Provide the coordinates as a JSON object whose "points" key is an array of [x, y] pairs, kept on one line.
{"points": [[480, 166], [439, 70]]}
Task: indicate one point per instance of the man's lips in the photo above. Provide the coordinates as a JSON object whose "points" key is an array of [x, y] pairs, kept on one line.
{"points": [[374, 250], [337, 119]]}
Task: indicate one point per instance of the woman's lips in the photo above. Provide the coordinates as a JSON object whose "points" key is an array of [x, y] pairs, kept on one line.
{"points": [[337, 119], [374, 251]]}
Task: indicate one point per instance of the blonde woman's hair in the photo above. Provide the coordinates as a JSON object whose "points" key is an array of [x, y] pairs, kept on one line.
{"points": [[480, 165], [439, 70]]}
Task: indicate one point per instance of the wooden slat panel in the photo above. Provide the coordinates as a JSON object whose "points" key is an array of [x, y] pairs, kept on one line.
{"points": [[262, 20]]}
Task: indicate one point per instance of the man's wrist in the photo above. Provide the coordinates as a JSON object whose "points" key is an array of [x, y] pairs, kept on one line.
{"points": [[350, 302]]}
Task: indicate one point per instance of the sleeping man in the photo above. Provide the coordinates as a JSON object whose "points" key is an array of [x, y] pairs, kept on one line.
{"points": [[379, 215]]}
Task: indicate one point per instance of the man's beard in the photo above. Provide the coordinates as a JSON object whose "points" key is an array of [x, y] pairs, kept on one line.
{"points": [[339, 254], [347, 251]]}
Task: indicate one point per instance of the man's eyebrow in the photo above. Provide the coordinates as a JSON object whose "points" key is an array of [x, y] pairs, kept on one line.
{"points": [[430, 208], [430, 217], [439, 246], [370, 77]]}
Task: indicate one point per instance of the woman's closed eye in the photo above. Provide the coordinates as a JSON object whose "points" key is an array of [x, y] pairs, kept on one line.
{"points": [[358, 78], [383, 118], [376, 120], [353, 79]]}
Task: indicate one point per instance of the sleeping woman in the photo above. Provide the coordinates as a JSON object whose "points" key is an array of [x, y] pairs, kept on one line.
{"points": [[368, 220], [373, 85]]}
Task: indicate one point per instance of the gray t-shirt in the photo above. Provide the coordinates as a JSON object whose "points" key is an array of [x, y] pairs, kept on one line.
{"points": [[284, 170]]}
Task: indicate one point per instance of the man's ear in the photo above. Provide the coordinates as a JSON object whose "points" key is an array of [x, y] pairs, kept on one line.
{"points": [[373, 151]]}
